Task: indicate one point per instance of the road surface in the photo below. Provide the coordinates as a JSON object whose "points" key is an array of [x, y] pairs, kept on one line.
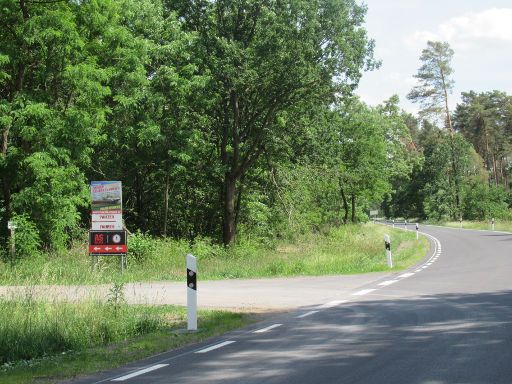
{"points": [[447, 320]]}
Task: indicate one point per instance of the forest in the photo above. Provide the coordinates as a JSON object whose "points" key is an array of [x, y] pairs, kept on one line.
{"points": [[228, 120]]}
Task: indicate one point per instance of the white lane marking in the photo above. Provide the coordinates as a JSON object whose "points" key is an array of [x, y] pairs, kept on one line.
{"points": [[307, 314], [418, 270], [363, 292], [388, 282], [216, 346], [425, 267], [409, 274], [268, 328], [141, 372], [331, 304]]}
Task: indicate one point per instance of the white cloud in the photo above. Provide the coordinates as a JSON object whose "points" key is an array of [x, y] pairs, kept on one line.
{"points": [[469, 29]]}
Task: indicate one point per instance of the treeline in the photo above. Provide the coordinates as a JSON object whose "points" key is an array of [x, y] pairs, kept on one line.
{"points": [[222, 119], [464, 171]]}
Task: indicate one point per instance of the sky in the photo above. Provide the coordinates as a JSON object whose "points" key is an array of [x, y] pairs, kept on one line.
{"points": [[479, 31]]}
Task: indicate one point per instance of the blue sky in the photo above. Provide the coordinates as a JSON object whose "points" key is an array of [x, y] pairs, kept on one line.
{"points": [[479, 31]]}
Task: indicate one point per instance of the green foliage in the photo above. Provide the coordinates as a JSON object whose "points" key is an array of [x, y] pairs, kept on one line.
{"points": [[27, 241], [140, 246]]}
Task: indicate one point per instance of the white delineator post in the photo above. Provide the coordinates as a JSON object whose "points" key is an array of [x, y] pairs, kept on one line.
{"points": [[405, 225], [191, 293], [387, 242], [417, 231], [493, 223], [460, 222], [393, 223]]}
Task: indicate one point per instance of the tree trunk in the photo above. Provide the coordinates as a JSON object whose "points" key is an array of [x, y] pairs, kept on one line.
{"points": [[353, 200], [229, 222], [166, 205], [345, 204]]}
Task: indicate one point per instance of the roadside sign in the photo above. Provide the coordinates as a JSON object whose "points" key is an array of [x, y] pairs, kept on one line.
{"points": [[374, 213], [106, 195], [107, 220], [107, 243], [11, 225]]}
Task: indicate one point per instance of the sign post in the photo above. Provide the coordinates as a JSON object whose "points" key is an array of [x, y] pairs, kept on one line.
{"points": [[12, 227], [191, 293], [387, 242], [107, 235]]}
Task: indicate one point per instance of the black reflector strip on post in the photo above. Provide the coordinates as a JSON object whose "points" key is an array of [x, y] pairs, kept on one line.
{"points": [[191, 279]]}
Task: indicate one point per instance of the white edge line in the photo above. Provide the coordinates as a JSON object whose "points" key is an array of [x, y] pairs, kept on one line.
{"points": [[405, 275], [216, 346], [141, 372], [388, 282], [268, 328], [307, 314]]}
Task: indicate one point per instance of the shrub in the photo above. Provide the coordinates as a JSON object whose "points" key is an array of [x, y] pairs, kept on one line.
{"points": [[141, 246]]}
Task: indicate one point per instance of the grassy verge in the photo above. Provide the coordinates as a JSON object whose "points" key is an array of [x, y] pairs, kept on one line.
{"points": [[346, 250], [44, 342], [504, 226]]}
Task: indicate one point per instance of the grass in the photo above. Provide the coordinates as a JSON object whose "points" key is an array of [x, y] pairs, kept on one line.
{"points": [[505, 226], [45, 342], [346, 250]]}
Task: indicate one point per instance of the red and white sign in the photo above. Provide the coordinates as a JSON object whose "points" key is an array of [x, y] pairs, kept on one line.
{"points": [[110, 249], [107, 220]]}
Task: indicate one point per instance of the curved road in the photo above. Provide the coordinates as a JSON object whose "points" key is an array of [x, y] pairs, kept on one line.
{"points": [[448, 320]]}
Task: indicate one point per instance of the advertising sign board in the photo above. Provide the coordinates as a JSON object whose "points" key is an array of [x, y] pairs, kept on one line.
{"points": [[107, 243], [106, 196], [107, 221]]}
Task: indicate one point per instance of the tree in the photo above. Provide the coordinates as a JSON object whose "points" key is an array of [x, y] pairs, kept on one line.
{"points": [[432, 95], [265, 57], [434, 82], [485, 119]]}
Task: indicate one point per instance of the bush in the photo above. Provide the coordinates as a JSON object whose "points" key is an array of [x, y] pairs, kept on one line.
{"points": [[141, 246], [27, 239]]}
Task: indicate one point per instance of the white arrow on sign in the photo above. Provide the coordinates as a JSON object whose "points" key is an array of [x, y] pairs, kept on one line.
{"points": [[107, 248], [118, 248], [97, 249]]}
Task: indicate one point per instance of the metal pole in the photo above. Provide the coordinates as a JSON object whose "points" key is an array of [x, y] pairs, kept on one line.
{"points": [[191, 293], [387, 242], [13, 245]]}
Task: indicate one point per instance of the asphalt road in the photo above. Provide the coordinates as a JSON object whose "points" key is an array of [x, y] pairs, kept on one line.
{"points": [[448, 320]]}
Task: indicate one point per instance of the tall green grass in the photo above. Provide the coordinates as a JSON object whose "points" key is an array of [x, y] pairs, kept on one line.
{"points": [[31, 329], [347, 249]]}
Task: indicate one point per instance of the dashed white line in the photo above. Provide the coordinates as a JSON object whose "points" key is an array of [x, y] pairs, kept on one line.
{"points": [[141, 372], [388, 282], [363, 292], [331, 304], [268, 328], [405, 275], [418, 270], [425, 267], [307, 314], [216, 346]]}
